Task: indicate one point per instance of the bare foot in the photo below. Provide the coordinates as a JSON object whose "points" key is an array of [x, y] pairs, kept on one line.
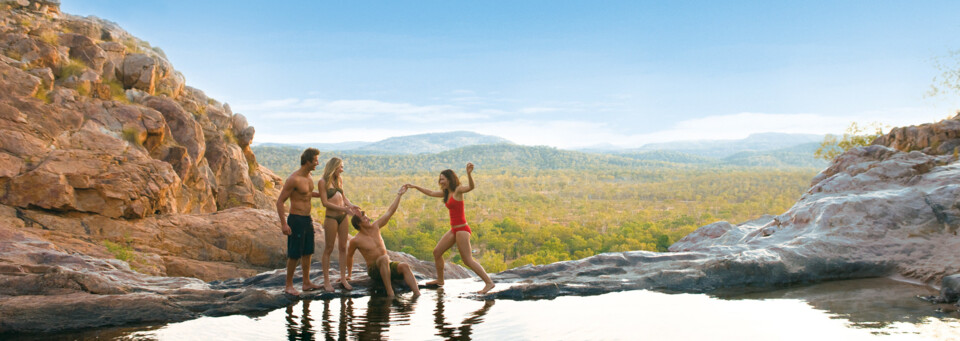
{"points": [[327, 287], [310, 287], [345, 284], [437, 283], [291, 291], [486, 288]]}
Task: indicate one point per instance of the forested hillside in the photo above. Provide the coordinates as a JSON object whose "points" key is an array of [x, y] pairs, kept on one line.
{"points": [[538, 205], [284, 160]]}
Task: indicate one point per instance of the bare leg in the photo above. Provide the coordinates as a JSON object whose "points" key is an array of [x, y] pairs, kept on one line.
{"points": [[291, 268], [329, 238], [342, 238], [463, 243], [445, 243], [409, 278], [305, 267], [384, 264]]}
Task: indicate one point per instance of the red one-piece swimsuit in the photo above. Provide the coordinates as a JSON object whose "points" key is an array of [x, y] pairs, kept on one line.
{"points": [[457, 216]]}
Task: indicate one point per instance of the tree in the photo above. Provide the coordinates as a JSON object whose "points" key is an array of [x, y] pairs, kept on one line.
{"points": [[855, 136], [948, 81]]}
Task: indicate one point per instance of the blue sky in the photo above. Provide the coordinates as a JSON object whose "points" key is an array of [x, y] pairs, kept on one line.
{"points": [[560, 73]]}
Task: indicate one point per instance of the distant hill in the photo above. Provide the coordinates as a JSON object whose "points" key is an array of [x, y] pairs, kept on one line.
{"points": [[400, 145], [724, 148], [669, 156], [796, 156], [284, 160], [427, 143]]}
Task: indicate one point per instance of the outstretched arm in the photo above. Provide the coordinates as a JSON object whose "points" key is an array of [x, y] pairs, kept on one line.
{"points": [[470, 185], [382, 221], [281, 212], [435, 194]]}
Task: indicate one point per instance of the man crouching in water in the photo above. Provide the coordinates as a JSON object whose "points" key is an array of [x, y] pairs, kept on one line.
{"points": [[370, 244]]}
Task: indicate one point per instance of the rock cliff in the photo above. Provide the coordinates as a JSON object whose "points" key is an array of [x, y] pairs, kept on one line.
{"points": [[94, 120], [103, 143]]}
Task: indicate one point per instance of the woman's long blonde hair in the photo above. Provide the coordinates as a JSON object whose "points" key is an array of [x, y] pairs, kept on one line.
{"points": [[328, 170]]}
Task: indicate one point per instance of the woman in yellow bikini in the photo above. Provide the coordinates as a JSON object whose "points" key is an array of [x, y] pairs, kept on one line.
{"points": [[336, 225], [452, 193]]}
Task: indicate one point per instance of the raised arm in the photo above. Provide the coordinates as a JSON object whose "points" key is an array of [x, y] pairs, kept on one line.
{"points": [[470, 185], [382, 221], [281, 212], [435, 194], [322, 188]]}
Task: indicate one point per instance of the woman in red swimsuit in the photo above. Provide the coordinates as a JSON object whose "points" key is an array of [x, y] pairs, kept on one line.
{"points": [[452, 193]]}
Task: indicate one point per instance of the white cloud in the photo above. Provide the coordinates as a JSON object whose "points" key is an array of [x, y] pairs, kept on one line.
{"points": [[741, 125], [575, 134], [537, 110], [352, 110], [373, 120], [334, 136]]}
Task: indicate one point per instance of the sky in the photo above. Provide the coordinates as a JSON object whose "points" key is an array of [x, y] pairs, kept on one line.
{"points": [[567, 74]]}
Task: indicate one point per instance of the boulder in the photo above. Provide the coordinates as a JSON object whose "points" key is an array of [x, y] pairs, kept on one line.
{"points": [[84, 49], [183, 127], [171, 85], [931, 138], [139, 71], [88, 28], [19, 82], [38, 53], [46, 78], [950, 288]]}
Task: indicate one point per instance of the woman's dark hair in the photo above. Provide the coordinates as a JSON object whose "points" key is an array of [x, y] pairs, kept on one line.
{"points": [[452, 183]]}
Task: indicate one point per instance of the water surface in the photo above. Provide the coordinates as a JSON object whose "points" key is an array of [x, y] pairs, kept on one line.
{"points": [[867, 309]]}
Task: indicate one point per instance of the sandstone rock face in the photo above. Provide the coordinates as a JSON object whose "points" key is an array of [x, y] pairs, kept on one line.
{"points": [[931, 138], [102, 123]]}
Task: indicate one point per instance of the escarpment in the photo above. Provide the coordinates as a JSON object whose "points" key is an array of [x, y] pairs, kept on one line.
{"points": [[103, 143]]}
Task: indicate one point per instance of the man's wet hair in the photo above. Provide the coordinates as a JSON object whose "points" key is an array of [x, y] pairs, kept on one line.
{"points": [[355, 221]]}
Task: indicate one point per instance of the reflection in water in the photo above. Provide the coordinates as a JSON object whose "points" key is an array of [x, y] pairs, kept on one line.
{"points": [[868, 309], [466, 327], [302, 330], [374, 323], [858, 301]]}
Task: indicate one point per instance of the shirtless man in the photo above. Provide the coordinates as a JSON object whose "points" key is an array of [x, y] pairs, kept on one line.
{"points": [[370, 244], [298, 227]]}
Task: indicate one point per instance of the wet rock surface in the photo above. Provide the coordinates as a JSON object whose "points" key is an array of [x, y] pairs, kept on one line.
{"points": [[44, 289], [876, 211]]}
